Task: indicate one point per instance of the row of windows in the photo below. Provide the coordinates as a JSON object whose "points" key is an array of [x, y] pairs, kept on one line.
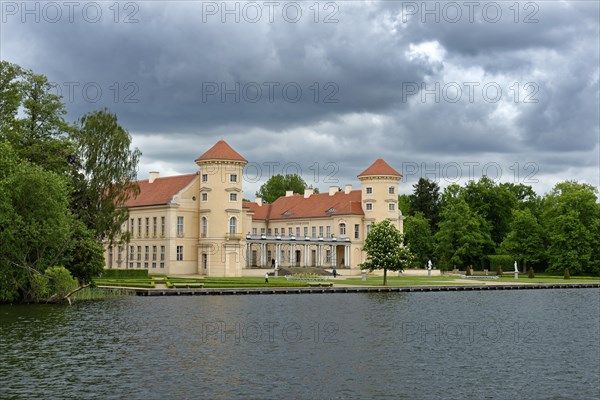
{"points": [[232, 197], [232, 178], [137, 255], [155, 231], [296, 231], [391, 190], [391, 206]]}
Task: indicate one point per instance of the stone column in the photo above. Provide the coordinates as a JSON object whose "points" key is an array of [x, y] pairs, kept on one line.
{"points": [[333, 255]]}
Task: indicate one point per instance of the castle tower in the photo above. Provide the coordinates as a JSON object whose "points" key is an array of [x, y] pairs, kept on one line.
{"points": [[220, 215], [379, 185]]}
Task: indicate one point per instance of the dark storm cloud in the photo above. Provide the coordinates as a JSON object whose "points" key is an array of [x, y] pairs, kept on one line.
{"points": [[159, 75]]}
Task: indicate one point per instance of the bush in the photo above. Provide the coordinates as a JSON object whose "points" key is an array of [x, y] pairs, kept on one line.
{"points": [[499, 271], [124, 273], [500, 261], [530, 273], [567, 274]]}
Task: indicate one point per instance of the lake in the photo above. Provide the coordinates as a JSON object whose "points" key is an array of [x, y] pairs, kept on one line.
{"points": [[530, 344]]}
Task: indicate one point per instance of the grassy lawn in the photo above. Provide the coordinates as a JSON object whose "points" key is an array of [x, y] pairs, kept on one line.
{"points": [[259, 282], [454, 280]]}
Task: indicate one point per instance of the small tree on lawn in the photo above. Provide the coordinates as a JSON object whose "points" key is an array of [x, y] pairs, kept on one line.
{"points": [[385, 251]]}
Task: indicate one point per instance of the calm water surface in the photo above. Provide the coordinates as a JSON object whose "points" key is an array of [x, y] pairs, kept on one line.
{"points": [[531, 344]]}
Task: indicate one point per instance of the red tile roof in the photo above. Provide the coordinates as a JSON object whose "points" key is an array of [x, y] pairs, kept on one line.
{"points": [[379, 167], [315, 206], [221, 151], [160, 191]]}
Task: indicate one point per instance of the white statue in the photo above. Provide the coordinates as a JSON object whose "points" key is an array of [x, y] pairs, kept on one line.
{"points": [[429, 264], [516, 270]]}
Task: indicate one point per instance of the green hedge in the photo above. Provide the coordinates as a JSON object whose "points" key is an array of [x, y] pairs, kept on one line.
{"points": [[124, 273], [505, 262]]}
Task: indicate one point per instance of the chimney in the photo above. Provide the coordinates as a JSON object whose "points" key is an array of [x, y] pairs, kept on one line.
{"points": [[308, 193], [153, 176], [347, 189], [333, 190], [258, 201], [289, 193]]}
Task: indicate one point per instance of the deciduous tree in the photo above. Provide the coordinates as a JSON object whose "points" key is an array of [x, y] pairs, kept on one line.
{"points": [[384, 249]]}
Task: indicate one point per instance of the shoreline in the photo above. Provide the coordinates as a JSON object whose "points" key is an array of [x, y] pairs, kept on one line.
{"points": [[351, 289]]}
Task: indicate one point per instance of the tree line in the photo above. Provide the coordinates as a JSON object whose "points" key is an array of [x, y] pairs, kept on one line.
{"points": [[62, 186], [465, 225]]}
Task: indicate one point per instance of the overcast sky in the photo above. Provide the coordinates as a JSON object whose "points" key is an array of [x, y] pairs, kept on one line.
{"points": [[445, 90]]}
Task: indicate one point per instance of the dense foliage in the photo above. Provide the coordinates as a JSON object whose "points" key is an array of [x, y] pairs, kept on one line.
{"points": [[278, 184], [61, 189], [482, 219]]}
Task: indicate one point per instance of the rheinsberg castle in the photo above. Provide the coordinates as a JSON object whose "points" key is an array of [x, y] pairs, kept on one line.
{"points": [[198, 224]]}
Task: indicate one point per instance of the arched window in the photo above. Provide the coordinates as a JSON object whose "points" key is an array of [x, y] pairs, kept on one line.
{"points": [[342, 229], [204, 226], [232, 225]]}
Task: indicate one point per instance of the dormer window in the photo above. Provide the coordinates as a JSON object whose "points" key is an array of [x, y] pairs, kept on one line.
{"points": [[331, 210], [287, 214]]}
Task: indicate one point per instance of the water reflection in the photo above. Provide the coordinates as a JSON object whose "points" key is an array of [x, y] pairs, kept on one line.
{"points": [[390, 345]]}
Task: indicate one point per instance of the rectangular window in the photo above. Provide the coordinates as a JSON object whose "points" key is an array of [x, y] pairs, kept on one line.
{"points": [[356, 231], [131, 226], [154, 226], [306, 231], [369, 190], [369, 206], [269, 232], [391, 190], [297, 231], [162, 226], [147, 227], [139, 264], [276, 231], [162, 253], [162, 264], [153, 265], [232, 196], [328, 231], [282, 255], [110, 257], [146, 265], [131, 253], [392, 206], [120, 257], [204, 177], [290, 233], [130, 265], [254, 231], [147, 254], [153, 253], [263, 231], [204, 196], [342, 229], [328, 256], [139, 253], [180, 226], [139, 227], [320, 231], [179, 253], [233, 178], [314, 231], [368, 229]]}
